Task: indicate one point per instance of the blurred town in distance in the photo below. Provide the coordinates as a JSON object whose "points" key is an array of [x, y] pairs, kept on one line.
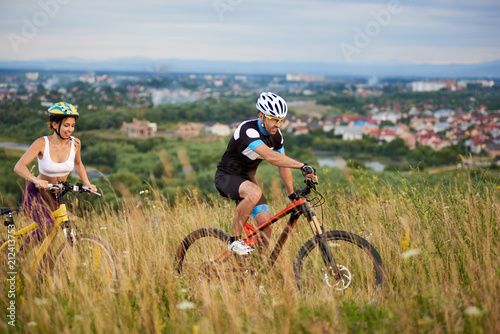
{"points": [[435, 112]]}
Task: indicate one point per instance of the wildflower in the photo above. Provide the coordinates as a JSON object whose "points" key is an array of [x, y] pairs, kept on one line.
{"points": [[139, 204], [41, 301], [32, 324], [262, 290], [473, 311], [185, 305], [405, 241], [411, 253]]}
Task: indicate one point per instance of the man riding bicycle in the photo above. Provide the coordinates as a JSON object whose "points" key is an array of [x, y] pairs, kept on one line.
{"points": [[253, 141]]}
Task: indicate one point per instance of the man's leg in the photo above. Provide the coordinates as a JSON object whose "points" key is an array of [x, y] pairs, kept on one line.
{"points": [[250, 194], [260, 219]]}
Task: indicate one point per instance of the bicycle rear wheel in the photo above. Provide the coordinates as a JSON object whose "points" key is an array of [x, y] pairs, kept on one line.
{"points": [[203, 256], [90, 260], [358, 262]]}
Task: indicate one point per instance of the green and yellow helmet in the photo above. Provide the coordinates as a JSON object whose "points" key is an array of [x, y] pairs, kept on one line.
{"points": [[62, 110]]}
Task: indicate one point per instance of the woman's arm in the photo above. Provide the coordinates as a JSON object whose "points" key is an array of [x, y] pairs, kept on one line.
{"points": [[80, 168], [21, 167]]}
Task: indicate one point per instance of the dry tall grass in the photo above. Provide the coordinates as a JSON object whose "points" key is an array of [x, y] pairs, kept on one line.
{"points": [[439, 246]]}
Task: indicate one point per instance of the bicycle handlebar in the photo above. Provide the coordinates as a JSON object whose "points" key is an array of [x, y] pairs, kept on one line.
{"points": [[78, 188], [310, 185]]}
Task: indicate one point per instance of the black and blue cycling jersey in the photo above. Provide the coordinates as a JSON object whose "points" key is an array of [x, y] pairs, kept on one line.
{"points": [[240, 158]]}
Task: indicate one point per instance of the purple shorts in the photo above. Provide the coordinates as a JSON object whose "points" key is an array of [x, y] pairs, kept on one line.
{"points": [[38, 205]]}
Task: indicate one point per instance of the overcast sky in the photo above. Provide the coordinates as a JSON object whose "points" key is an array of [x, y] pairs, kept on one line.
{"points": [[364, 32]]}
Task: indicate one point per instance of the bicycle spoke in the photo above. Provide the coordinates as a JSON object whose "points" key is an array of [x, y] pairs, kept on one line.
{"points": [[89, 260], [360, 270], [203, 257]]}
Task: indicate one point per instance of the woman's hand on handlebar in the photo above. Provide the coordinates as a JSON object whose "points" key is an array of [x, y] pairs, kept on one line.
{"points": [[42, 184], [92, 187]]}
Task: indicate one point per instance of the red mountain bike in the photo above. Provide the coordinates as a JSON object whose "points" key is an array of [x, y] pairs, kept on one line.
{"points": [[333, 260]]}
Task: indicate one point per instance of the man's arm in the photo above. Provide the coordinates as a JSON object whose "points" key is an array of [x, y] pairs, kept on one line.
{"points": [[275, 158], [281, 160], [286, 176]]}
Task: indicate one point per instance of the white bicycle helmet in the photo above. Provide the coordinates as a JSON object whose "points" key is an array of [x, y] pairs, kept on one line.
{"points": [[271, 104]]}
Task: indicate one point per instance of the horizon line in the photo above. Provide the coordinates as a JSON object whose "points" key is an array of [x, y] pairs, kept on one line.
{"points": [[388, 62]]}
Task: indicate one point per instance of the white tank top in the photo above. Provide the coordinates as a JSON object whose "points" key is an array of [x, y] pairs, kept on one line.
{"points": [[56, 169]]}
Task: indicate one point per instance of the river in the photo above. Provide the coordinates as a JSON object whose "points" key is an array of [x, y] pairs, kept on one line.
{"points": [[15, 146], [341, 163]]}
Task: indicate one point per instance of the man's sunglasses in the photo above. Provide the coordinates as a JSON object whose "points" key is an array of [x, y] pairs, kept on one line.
{"points": [[278, 120]]}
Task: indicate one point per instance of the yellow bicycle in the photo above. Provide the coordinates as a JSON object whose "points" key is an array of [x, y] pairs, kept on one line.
{"points": [[83, 256]]}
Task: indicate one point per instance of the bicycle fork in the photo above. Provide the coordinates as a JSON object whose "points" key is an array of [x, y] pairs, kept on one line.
{"points": [[60, 217], [326, 253]]}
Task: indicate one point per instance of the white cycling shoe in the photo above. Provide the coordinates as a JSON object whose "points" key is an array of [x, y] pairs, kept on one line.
{"points": [[240, 247]]}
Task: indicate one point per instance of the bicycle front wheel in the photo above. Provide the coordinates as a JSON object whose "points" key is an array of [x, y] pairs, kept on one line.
{"points": [[358, 262], [90, 260], [203, 257]]}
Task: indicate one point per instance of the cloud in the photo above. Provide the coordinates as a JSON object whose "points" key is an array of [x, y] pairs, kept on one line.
{"points": [[292, 30]]}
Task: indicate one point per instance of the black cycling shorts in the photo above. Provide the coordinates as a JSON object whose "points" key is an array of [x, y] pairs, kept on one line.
{"points": [[228, 186]]}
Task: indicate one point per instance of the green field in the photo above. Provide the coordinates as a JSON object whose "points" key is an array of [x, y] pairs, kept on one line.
{"points": [[437, 235]]}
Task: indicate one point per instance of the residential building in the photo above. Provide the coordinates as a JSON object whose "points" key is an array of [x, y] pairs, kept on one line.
{"points": [[139, 128], [387, 135], [429, 138], [409, 140], [220, 129], [478, 143], [386, 116], [348, 132], [189, 130], [440, 126], [493, 150]]}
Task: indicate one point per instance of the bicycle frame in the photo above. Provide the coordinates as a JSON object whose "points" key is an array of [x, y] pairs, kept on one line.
{"points": [[325, 243], [60, 219], [18, 234], [298, 208]]}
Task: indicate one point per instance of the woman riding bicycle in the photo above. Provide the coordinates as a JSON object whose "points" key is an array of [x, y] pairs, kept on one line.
{"points": [[58, 155]]}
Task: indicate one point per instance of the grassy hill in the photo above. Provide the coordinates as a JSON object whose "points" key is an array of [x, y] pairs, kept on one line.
{"points": [[439, 242]]}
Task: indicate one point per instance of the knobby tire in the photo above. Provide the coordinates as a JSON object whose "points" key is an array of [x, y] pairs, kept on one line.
{"points": [[355, 255], [91, 260]]}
